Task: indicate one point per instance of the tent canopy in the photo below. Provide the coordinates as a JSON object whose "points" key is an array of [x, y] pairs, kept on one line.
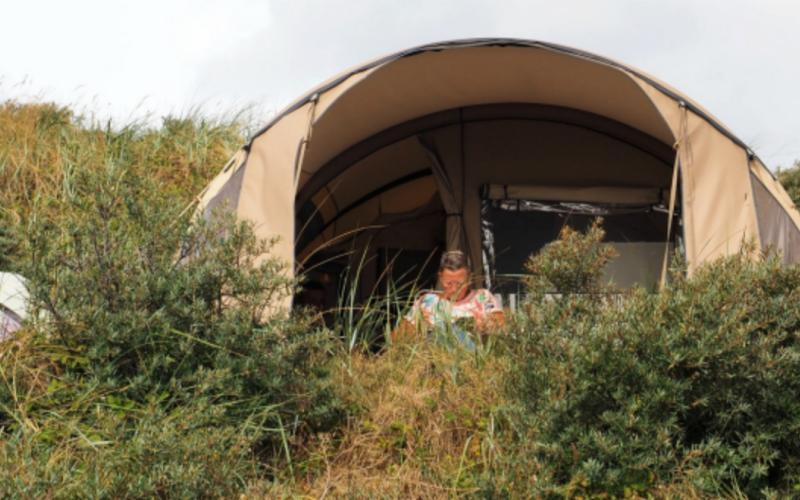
{"points": [[13, 303], [419, 148]]}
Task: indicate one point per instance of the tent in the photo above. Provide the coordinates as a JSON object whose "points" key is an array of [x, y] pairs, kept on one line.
{"points": [[490, 145], [13, 303]]}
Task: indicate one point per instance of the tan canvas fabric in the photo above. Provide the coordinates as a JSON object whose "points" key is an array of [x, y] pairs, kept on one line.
{"points": [[529, 151], [220, 190], [511, 152], [370, 216], [446, 166], [377, 170], [323, 102], [325, 203], [775, 189], [778, 232], [717, 202], [429, 82], [717, 194], [268, 190], [637, 263]]}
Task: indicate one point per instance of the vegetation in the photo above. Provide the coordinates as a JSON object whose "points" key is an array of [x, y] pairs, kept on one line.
{"points": [[790, 178], [630, 394], [147, 372], [157, 365], [424, 423]]}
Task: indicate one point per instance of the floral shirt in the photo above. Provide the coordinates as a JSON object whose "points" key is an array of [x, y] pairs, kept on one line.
{"points": [[431, 310]]}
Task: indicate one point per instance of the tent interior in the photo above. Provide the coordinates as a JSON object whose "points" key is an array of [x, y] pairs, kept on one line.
{"points": [[498, 181]]}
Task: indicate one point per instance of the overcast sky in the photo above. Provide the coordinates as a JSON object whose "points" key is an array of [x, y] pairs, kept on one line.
{"points": [[130, 59]]}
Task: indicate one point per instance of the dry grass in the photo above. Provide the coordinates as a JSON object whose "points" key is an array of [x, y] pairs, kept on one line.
{"points": [[27, 371], [43, 145], [423, 426]]}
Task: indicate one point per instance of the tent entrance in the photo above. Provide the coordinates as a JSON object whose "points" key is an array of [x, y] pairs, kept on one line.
{"points": [[388, 205]]}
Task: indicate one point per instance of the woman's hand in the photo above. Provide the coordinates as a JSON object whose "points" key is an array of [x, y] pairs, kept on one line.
{"points": [[490, 322]]}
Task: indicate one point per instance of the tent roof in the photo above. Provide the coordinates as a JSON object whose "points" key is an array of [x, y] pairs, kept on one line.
{"points": [[662, 87]]}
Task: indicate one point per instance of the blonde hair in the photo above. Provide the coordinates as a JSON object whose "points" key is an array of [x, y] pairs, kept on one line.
{"points": [[453, 260]]}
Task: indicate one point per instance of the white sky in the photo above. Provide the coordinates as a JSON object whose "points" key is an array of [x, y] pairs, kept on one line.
{"points": [[149, 58]]}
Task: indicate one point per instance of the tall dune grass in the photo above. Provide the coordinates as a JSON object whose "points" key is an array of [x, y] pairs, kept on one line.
{"points": [[43, 145], [148, 377]]}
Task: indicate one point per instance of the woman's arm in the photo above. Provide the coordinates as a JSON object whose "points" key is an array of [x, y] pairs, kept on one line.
{"points": [[491, 315]]}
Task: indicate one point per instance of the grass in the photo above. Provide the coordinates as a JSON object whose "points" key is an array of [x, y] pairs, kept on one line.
{"points": [[43, 145], [424, 424], [513, 419]]}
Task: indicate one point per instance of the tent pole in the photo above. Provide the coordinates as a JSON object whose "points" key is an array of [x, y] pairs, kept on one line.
{"points": [[673, 192], [465, 243], [448, 197], [303, 145]]}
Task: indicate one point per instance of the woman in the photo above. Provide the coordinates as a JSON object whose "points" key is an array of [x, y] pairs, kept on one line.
{"points": [[454, 309]]}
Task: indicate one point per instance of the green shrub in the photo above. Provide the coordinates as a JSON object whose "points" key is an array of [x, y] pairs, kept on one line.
{"points": [[151, 371], [571, 264], [790, 178], [8, 245], [695, 385]]}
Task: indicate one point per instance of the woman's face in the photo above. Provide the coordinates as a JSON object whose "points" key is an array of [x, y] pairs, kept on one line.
{"points": [[454, 283]]}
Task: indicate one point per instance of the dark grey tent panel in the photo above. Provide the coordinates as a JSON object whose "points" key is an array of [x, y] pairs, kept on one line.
{"points": [[778, 231]]}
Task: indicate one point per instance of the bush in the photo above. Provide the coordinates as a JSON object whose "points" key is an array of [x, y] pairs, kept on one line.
{"points": [[790, 179], [151, 372], [571, 264], [696, 385]]}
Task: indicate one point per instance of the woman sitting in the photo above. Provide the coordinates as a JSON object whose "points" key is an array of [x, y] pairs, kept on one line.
{"points": [[454, 311]]}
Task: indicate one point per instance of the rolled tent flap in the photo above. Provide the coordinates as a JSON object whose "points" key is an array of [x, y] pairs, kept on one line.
{"points": [[589, 194]]}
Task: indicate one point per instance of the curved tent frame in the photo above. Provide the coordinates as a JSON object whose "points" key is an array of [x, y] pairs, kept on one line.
{"points": [[727, 196]]}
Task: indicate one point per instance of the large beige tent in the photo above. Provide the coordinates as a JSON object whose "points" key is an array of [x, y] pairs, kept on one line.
{"points": [[490, 145]]}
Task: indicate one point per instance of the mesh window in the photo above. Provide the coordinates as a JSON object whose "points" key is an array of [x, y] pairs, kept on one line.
{"points": [[512, 230]]}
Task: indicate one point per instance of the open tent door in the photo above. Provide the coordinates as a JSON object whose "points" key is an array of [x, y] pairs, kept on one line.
{"points": [[498, 182]]}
